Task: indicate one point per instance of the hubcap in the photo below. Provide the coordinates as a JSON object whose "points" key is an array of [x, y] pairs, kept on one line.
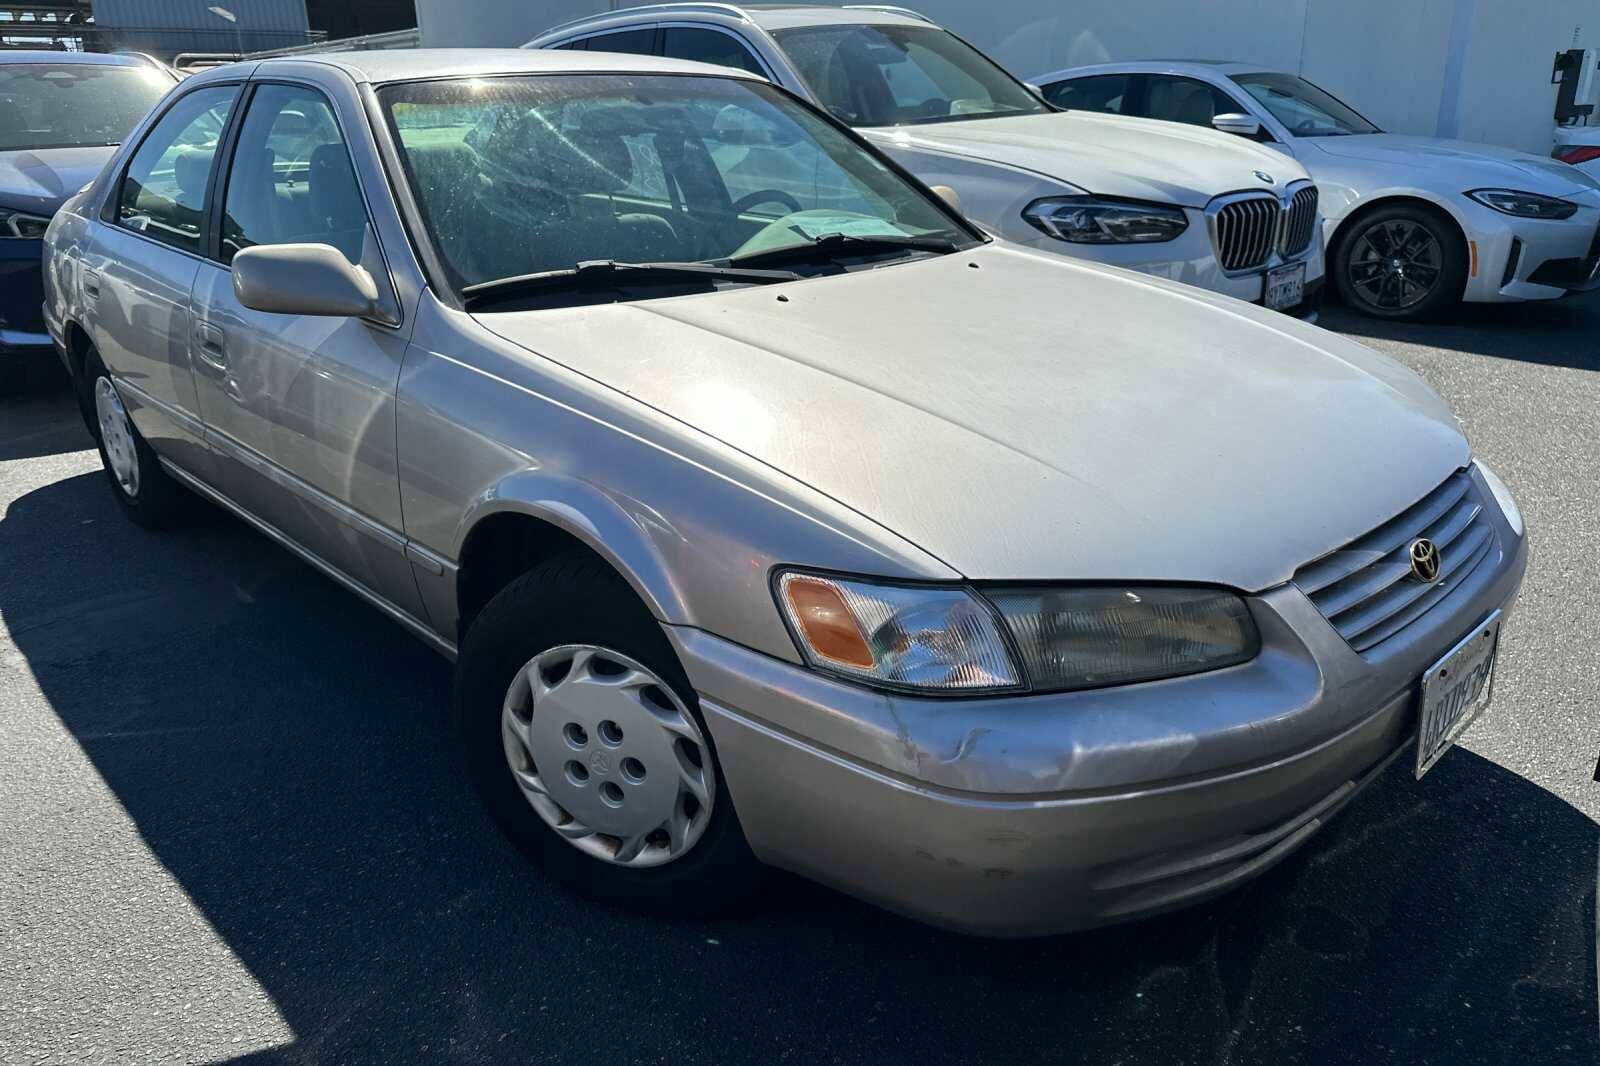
{"points": [[608, 756], [117, 436], [1395, 265]]}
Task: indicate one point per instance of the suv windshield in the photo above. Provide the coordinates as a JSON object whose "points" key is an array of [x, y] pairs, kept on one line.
{"points": [[536, 174], [69, 105], [902, 75], [1305, 109]]}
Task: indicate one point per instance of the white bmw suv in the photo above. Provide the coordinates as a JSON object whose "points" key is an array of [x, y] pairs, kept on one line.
{"points": [[1183, 203]]}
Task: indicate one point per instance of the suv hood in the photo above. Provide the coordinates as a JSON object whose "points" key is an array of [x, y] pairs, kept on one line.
{"points": [[39, 180], [1037, 417], [1474, 165], [1107, 154]]}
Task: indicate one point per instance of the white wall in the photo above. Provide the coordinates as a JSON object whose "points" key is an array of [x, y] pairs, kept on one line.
{"points": [[1389, 59]]}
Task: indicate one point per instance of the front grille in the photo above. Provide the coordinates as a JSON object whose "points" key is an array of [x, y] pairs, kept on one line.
{"points": [[1301, 222], [1246, 231], [1366, 589]]}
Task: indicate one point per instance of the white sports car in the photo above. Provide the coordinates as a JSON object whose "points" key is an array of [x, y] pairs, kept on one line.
{"points": [[1412, 224]]}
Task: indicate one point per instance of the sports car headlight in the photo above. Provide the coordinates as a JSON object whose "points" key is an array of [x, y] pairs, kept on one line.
{"points": [[1525, 204], [901, 636], [1502, 496], [1097, 220], [15, 224], [1086, 637]]}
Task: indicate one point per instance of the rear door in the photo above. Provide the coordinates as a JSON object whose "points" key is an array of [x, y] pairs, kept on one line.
{"points": [[301, 409], [140, 264]]}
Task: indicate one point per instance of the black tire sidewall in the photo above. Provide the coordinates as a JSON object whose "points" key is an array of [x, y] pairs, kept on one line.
{"points": [[1453, 275], [579, 599]]}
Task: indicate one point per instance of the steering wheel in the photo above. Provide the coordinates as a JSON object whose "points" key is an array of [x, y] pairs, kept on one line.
{"points": [[765, 196]]}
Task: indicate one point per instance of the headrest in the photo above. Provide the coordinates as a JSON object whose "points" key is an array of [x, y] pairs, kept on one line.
{"points": [[190, 168]]}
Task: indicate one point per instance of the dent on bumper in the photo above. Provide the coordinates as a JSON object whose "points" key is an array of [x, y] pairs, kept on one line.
{"points": [[1041, 814]]}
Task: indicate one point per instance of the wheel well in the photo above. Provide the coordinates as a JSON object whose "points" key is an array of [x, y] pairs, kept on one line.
{"points": [[1364, 210], [500, 549], [77, 347]]}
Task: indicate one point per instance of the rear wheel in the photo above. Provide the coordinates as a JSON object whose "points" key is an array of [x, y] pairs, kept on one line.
{"points": [[1400, 262], [146, 492], [582, 736]]}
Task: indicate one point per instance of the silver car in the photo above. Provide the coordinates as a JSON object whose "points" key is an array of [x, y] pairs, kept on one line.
{"points": [[804, 527]]}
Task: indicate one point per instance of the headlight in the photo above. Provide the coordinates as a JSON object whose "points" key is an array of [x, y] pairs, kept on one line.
{"points": [[941, 639], [1096, 220], [1073, 638], [952, 640], [15, 224], [1525, 204], [1502, 496]]}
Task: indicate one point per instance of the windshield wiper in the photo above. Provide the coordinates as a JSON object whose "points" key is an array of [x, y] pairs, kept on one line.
{"points": [[601, 274], [840, 244]]}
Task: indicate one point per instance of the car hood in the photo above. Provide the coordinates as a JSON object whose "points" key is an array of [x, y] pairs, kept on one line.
{"points": [[1107, 154], [39, 180], [1474, 165], [1037, 417]]}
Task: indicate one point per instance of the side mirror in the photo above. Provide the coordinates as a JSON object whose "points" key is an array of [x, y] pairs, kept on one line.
{"points": [[303, 279], [951, 198], [1237, 123]]}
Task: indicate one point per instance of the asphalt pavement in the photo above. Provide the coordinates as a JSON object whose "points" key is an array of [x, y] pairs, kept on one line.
{"points": [[232, 828]]}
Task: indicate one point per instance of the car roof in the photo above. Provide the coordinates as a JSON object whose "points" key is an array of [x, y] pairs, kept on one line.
{"points": [[89, 59], [769, 17], [1151, 66], [419, 64]]}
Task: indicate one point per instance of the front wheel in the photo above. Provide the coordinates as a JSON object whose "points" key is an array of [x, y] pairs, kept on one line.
{"points": [[1400, 262], [581, 734]]}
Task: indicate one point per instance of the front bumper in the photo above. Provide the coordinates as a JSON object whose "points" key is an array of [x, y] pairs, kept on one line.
{"points": [[22, 327], [1532, 259], [1042, 814]]}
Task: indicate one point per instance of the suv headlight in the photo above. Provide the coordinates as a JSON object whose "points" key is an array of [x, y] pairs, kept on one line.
{"points": [[1525, 204], [1502, 496], [17, 225], [1099, 220], [955, 640]]}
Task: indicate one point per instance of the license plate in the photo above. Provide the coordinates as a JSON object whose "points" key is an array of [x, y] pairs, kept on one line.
{"points": [[1455, 690], [1286, 287]]}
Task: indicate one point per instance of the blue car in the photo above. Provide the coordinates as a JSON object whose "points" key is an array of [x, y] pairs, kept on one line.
{"points": [[62, 115]]}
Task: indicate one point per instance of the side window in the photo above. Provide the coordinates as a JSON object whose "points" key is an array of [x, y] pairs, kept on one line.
{"points": [[1187, 100], [708, 46], [291, 180], [580, 45], [163, 193], [1110, 94], [633, 42]]}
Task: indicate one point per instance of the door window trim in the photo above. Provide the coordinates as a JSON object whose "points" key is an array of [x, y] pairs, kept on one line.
{"points": [[112, 203]]}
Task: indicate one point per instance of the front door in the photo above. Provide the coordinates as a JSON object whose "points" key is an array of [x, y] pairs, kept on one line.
{"points": [[301, 409]]}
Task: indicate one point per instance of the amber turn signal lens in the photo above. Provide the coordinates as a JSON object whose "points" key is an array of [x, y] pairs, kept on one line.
{"points": [[819, 610]]}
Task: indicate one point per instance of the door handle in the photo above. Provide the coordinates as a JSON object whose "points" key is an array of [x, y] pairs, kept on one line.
{"points": [[211, 346], [91, 284]]}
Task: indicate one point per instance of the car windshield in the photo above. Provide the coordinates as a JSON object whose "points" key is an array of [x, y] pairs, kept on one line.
{"points": [[68, 105], [902, 75], [535, 174], [1305, 109]]}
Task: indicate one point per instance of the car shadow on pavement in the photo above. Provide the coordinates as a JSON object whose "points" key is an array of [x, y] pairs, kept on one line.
{"points": [[284, 752], [39, 419], [1561, 333]]}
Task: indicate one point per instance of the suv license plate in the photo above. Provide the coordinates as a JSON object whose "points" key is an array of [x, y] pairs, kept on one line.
{"points": [[1286, 287], [1455, 690]]}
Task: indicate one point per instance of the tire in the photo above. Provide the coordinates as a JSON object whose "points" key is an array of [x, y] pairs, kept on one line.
{"points": [[576, 601], [1422, 241], [143, 489]]}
